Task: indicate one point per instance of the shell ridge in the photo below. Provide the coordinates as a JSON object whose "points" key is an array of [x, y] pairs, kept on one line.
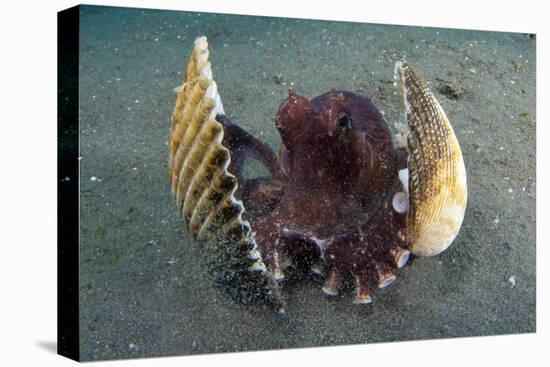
{"points": [[198, 55], [185, 119], [197, 120], [196, 152], [199, 181]]}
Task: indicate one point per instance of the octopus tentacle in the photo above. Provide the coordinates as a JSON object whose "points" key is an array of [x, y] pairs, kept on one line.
{"points": [[260, 195], [333, 282], [362, 295], [243, 146], [368, 253]]}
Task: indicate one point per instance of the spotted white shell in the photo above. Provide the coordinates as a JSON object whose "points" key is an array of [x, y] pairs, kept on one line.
{"points": [[436, 176]]}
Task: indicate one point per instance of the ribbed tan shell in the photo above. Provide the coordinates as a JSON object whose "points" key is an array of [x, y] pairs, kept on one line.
{"points": [[201, 184], [436, 172]]}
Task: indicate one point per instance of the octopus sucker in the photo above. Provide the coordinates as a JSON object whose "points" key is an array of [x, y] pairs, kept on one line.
{"points": [[344, 198], [332, 283], [362, 295], [384, 275], [399, 256]]}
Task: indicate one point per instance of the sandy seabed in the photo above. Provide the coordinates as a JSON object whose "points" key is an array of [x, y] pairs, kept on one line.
{"points": [[144, 289]]}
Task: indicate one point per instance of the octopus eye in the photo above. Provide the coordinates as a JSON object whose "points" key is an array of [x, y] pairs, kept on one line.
{"points": [[344, 121]]}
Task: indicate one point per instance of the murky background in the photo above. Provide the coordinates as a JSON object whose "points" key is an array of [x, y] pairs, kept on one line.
{"points": [[144, 290]]}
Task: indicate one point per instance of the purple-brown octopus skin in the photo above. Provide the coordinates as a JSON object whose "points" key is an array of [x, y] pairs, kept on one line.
{"points": [[329, 192]]}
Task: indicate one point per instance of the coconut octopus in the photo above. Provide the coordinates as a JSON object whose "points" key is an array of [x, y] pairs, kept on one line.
{"points": [[344, 196]]}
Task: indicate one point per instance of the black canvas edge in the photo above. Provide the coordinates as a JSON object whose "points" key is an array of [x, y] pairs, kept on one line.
{"points": [[68, 31]]}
